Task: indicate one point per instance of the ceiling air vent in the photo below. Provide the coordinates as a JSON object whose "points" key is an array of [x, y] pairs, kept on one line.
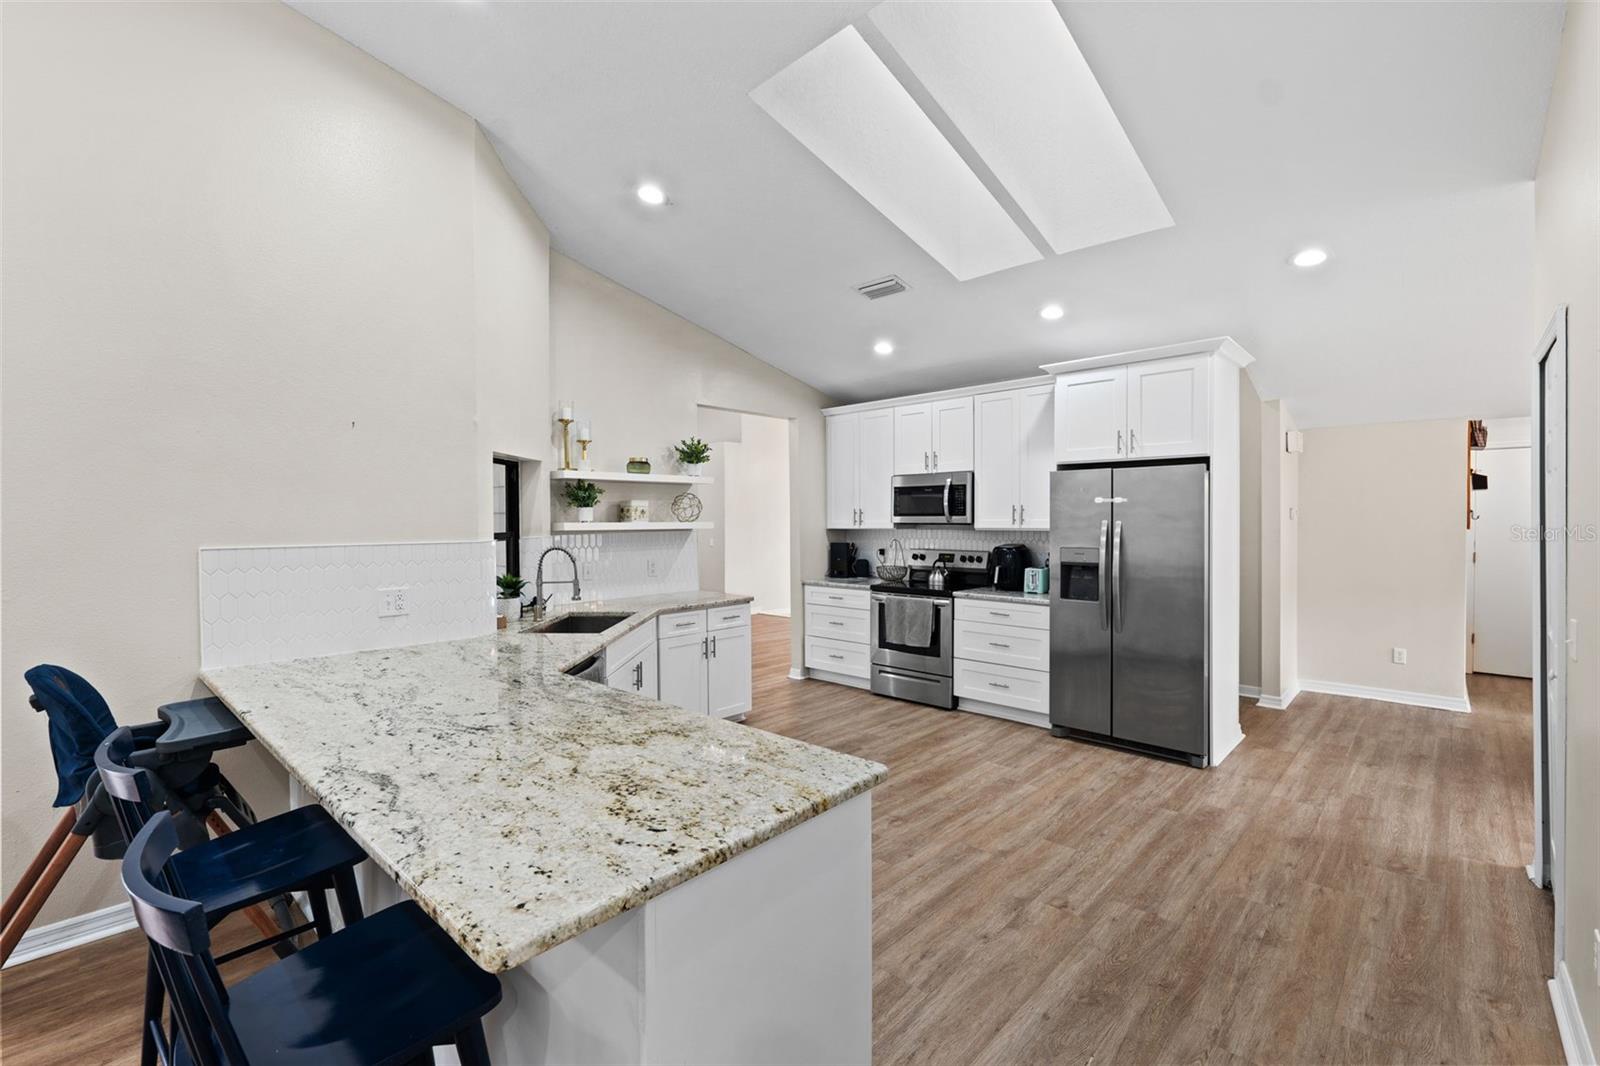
{"points": [[877, 290]]}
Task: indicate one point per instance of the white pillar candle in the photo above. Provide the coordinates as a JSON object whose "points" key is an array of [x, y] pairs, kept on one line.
{"points": [[583, 429], [566, 409]]}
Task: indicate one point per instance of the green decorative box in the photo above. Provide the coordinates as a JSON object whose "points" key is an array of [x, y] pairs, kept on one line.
{"points": [[638, 464]]}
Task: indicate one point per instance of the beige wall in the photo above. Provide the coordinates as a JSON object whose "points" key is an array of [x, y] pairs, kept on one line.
{"points": [[249, 271], [1249, 533], [640, 372], [1567, 271], [1383, 557], [1280, 566]]}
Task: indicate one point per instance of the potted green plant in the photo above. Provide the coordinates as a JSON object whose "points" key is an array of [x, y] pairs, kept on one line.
{"points": [[693, 453], [511, 587], [584, 495]]}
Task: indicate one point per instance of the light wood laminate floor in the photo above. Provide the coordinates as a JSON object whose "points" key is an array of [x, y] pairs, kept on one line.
{"points": [[1347, 887]]}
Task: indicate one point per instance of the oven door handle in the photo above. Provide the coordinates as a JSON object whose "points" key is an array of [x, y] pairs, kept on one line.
{"points": [[947, 500]]}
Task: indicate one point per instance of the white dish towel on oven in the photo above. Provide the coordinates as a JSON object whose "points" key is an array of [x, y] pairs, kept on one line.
{"points": [[908, 621]]}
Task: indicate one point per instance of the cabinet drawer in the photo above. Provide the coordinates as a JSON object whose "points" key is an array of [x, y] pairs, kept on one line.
{"points": [[834, 624], [852, 599], [728, 617], [1027, 615], [681, 624], [630, 644], [1025, 690], [837, 657], [996, 645]]}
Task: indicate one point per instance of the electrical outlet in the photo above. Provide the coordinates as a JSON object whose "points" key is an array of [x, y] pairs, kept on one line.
{"points": [[652, 568], [1597, 956], [393, 602], [1399, 656]]}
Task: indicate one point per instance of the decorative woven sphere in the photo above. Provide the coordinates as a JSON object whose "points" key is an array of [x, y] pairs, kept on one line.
{"points": [[686, 507]]}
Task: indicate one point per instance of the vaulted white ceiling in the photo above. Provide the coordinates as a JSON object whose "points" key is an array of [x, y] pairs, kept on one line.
{"points": [[1402, 137]]}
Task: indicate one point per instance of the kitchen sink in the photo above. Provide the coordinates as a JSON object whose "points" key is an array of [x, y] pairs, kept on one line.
{"points": [[580, 623]]}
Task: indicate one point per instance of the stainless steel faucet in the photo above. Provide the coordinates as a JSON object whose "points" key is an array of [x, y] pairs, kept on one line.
{"points": [[538, 580]]}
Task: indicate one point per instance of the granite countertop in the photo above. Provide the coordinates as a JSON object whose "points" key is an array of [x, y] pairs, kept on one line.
{"points": [[1007, 597], [842, 582], [520, 806]]}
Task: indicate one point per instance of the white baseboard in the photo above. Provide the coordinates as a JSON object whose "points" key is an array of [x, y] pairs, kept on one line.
{"points": [[1250, 692], [1459, 704], [775, 612], [1569, 1022], [1221, 749], [797, 674], [71, 932], [1281, 701]]}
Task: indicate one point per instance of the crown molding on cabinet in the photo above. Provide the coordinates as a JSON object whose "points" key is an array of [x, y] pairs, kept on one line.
{"points": [[1226, 347], [944, 394]]}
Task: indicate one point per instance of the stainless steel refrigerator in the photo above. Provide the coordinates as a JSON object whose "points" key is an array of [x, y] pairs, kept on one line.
{"points": [[1128, 614]]}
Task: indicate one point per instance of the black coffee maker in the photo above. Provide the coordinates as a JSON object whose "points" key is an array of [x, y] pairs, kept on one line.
{"points": [[841, 558]]}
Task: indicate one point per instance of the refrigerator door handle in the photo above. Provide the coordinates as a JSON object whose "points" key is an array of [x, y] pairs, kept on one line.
{"points": [[1105, 602], [1116, 573]]}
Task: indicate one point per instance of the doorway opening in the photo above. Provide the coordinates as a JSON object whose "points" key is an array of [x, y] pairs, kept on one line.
{"points": [[749, 551], [1501, 553]]}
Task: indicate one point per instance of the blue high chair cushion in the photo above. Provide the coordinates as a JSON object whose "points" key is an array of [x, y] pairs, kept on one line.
{"points": [[79, 721]]}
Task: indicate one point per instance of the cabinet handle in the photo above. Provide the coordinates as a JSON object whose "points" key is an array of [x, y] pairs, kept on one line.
{"points": [[1013, 514], [936, 460], [999, 614], [833, 623], [704, 649], [997, 684], [1132, 444], [836, 598], [1119, 442], [682, 625], [997, 644], [833, 655], [1022, 513], [713, 647], [638, 675], [925, 465]]}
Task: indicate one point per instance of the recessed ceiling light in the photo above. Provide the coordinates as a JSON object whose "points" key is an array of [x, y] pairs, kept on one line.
{"points": [[884, 347], [1051, 312], [1309, 257], [651, 193]]}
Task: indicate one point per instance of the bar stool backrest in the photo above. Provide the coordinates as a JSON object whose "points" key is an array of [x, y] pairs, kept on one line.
{"points": [[131, 788], [177, 930]]}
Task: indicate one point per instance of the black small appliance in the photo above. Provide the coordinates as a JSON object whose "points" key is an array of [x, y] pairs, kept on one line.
{"points": [[842, 558], [1006, 563]]}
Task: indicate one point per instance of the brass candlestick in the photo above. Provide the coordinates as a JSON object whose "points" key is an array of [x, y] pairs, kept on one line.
{"points": [[583, 453], [566, 444]]}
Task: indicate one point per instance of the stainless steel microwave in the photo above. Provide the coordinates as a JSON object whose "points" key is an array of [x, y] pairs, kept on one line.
{"points": [[932, 499]]}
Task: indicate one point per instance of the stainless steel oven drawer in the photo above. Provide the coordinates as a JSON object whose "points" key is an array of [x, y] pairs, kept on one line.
{"points": [[917, 687]]}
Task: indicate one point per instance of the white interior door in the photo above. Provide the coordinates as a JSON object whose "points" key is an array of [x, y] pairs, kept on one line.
{"points": [[843, 442], [913, 438], [1550, 678], [1505, 559]]}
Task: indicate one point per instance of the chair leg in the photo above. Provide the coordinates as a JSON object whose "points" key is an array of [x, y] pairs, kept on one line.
{"points": [[30, 876], [29, 909], [471, 1048], [153, 995], [344, 888], [319, 913]]}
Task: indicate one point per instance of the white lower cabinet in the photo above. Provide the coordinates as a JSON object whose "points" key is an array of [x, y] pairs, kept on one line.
{"points": [[836, 634], [638, 673], [1002, 659], [707, 673]]}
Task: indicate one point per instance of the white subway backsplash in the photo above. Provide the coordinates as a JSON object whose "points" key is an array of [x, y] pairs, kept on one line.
{"points": [[868, 541], [615, 564], [262, 605]]}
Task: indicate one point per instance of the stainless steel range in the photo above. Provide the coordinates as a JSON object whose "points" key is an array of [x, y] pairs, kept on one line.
{"points": [[912, 627]]}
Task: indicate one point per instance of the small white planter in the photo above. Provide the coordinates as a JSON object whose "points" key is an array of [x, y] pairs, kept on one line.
{"points": [[586, 514], [692, 469], [511, 609]]}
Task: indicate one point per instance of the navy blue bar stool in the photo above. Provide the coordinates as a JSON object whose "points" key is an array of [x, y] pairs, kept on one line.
{"points": [[304, 850], [382, 992]]}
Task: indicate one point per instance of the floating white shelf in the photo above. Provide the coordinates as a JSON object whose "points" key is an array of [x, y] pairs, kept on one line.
{"points": [[619, 527], [616, 475]]}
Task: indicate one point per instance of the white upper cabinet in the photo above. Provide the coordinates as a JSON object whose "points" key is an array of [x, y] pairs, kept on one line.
{"points": [[952, 434], [935, 436], [1013, 458], [1169, 408], [1036, 431], [996, 462], [860, 464], [843, 442], [1092, 415], [875, 469], [913, 438], [1153, 410]]}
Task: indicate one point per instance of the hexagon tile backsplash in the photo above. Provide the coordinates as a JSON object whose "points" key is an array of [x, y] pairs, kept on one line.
{"points": [[261, 605]]}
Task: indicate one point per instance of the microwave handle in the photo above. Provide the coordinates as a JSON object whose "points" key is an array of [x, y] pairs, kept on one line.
{"points": [[947, 500]]}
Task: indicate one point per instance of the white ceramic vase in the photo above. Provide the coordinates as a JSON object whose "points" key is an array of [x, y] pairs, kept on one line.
{"points": [[586, 514], [511, 608], [692, 469]]}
